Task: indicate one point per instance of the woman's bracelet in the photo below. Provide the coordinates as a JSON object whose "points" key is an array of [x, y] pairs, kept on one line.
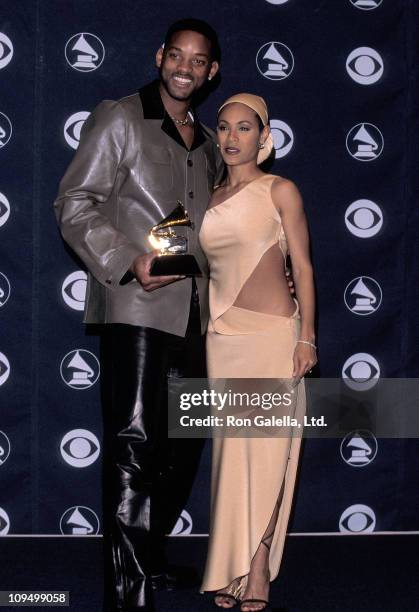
{"points": [[309, 343]]}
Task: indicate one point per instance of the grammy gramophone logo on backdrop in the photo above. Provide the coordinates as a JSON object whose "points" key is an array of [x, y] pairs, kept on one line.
{"points": [[5, 130], [4, 289], [80, 369], [5, 447], [275, 61], [365, 142], [84, 52], [79, 520], [359, 448], [363, 295]]}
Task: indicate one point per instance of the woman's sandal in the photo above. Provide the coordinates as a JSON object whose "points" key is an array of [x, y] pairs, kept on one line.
{"points": [[231, 593]]}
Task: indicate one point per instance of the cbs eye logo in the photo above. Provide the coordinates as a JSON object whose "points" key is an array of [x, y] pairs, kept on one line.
{"points": [[366, 5], [365, 66], [80, 448], [6, 50], [283, 137], [4, 209], [361, 372], [4, 522], [357, 519], [4, 369], [72, 128], [73, 290], [364, 218], [184, 524]]}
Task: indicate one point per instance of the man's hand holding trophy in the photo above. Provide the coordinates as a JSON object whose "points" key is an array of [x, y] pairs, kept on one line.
{"points": [[170, 260]]}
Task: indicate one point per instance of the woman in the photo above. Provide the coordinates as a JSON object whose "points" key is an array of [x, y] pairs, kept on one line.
{"points": [[256, 330]]}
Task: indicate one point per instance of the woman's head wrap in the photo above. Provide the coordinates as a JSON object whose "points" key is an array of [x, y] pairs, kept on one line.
{"points": [[257, 104]]}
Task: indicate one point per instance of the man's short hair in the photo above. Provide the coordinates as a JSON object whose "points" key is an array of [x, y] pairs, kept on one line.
{"points": [[196, 25]]}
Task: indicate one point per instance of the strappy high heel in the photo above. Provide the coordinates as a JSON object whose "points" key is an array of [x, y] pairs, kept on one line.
{"points": [[232, 593], [266, 603]]}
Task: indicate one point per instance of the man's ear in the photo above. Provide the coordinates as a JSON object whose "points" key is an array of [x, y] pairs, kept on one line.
{"points": [[215, 66], [159, 57]]}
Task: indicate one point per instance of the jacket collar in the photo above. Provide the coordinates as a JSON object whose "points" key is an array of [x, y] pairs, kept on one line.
{"points": [[153, 108]]}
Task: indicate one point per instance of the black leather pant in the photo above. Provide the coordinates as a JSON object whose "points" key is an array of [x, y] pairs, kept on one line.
{"points": [[147, 477]]}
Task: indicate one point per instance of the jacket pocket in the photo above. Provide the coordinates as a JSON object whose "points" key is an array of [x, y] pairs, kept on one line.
{"points": [[156, 173]]}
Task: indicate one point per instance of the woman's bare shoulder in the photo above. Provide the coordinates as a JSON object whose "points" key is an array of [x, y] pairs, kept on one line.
{"points": [[285, 193]]}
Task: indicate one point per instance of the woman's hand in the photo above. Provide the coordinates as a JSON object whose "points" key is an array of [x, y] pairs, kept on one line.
{"points": [[304, 359]]}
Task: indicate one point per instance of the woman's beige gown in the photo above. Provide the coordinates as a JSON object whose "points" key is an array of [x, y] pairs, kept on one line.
{"points": [[249, 475]]}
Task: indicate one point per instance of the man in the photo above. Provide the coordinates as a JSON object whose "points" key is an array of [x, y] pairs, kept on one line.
{"points": [[137, 157]]}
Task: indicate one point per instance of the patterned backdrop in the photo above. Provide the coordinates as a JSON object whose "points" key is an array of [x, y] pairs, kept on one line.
{"points": [[340, 79]]}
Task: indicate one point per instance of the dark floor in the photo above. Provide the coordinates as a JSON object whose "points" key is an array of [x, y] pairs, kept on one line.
{"points": [[327, 574]]}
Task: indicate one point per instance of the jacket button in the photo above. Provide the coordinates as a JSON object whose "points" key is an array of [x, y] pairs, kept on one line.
{"points": [[108, 282], [190, 162], [191, 194]]}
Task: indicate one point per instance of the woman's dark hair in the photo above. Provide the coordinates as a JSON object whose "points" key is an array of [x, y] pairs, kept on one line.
{"points": [[196, 25]]}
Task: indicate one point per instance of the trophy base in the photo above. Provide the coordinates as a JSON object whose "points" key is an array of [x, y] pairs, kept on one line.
{"points": [[168, 265]]}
